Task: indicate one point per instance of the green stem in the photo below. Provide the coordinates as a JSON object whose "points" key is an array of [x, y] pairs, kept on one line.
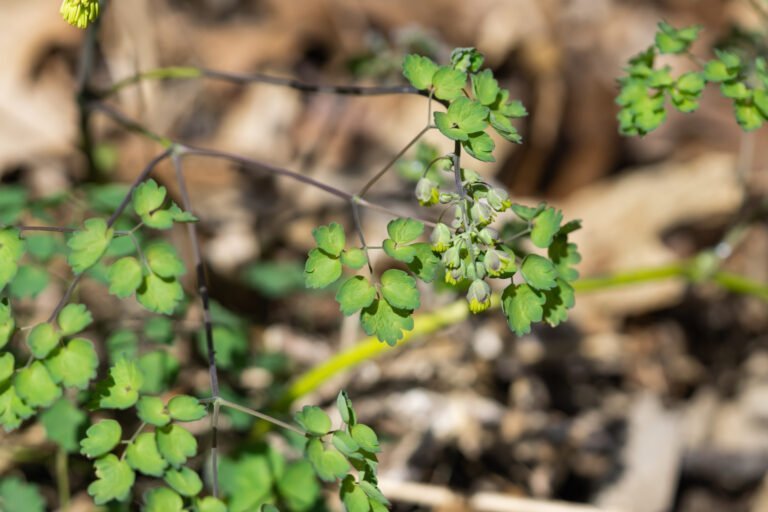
{"points": [[456, 312], [62, 478]]}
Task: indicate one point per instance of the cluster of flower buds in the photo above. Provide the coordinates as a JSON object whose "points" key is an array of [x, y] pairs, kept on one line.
{"points": [[80, 12]]}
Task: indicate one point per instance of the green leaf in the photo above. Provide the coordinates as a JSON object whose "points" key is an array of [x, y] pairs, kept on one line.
{"points": [[748, 116], [330, 465], [385, 322], [448, 83], [480, 145], [11, 250], [314, 420], [122, 344], [35, 385], [564, 256], [211, 504], [355, 294], [184, 481], [399, 289], [671, 40], [344, 405], [176, 444], [330, 239], [15, 494], [151, 409], [13, 201], [101, 438], [73, 319], [760, 100], [29, 282], [558, 301], [125, 275], [735, 90], [403, 231], [321, 270], [366, 438], [522, 306], [353, 497], [298, 486], [143, 456], [527, 213], [373, 493], [88, 246], [424, 263], [246, 482], [123, 385], [539, 272], [62, 422], [463, 117], [345, 443], [162, 499], [231, 344], [485, 87], [545, 225], [404, 253], [354, 258], [148, 197], [725, 67], [163, 260], [73, 365], [159, 295], [691, 83], [12, 409], [419, 71], [503, 127], [186, 408], [115, 479], [7, 322], [42, 339], [7, 364]]}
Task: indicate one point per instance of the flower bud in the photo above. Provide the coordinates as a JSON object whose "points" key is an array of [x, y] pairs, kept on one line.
{"points": [[447, 197], [479, 296], [427, 192], [498, 262], [452, 257], [441, 238], [80, 12], [499, 199], [454, 275], [481, 212], [488, 236]]}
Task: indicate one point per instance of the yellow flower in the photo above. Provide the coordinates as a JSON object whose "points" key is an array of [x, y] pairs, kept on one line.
{"points": [[80, 13]]}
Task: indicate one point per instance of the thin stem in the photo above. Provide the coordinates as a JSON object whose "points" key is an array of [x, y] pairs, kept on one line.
{"points": [[128, 123], [261, 415], [52, 229], [138, 181], [62, 478], [360, 234], [186, 72], [394, 159], [202, 287]]}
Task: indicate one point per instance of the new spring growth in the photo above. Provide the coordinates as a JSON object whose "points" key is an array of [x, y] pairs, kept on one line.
{"points": [[80, 13], [479, 296]]}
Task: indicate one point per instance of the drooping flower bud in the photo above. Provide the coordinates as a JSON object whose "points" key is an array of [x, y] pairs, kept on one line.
{"points": [[481, 212], [499, 199], [479, 296], [441, 238], [498, 262], [79, 12], [427, 192], [452, 257], [488, 236], [454, 275]]}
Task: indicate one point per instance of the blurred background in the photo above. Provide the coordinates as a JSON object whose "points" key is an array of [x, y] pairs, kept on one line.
{"points": [[653, 397]]}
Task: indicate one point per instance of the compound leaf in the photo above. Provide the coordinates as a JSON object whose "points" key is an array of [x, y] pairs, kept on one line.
{"points": [[448, 83], [385, 322], [163, 260], [42, 339], [147, 197], [365, 437], [558, 301], [321, 270], [399, 289], [330, 239], [419, 71], [354, 258], [123, 386], [463, 117], [162, 499], [403, 231], [485, 87], [12, 408], [151, 409], [545, 225], [314, 420]]}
